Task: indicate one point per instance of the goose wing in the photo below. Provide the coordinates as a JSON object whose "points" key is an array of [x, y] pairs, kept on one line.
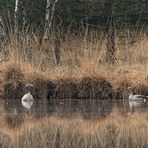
{"points": [[27, 104], [27, 97], [139, 98]]}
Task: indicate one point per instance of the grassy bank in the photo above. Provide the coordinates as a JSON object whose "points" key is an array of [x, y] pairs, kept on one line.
{"points": [[83, 71], [112, 131]]}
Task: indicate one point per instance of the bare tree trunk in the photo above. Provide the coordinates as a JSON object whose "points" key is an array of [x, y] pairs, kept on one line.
{"points": [[23, 16], [52, 13], [16, 18], [20, 18], [47, 19], [110, 31], [50, 19]]}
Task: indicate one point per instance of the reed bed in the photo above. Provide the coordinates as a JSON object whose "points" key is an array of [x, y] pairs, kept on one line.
{"points": [[82, 55]]}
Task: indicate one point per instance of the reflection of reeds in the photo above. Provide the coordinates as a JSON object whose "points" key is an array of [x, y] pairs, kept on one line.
{"points": [[112, 131]]}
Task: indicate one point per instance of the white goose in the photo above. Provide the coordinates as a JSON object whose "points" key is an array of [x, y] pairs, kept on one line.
{"points": [[136, 100], [27, 99]]}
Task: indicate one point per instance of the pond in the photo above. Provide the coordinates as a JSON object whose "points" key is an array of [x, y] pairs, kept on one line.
{"points": [[67, 107], [15, 112]]}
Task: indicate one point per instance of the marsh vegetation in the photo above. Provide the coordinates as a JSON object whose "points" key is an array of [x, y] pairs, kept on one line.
{"points": [[82, 102], [80, 73]]}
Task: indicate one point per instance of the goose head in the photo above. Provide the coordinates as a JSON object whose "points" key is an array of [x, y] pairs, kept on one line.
{"points": [[28, 87], [130, 89]]}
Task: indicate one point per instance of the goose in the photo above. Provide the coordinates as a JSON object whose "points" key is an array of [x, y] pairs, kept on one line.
{"points": [[27, 99], [136, 100]]}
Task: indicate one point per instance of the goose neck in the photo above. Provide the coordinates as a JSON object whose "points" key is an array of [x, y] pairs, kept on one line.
{"points": [[131, 94], [28, 92]]}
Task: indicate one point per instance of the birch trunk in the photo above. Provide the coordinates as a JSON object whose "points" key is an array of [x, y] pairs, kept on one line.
{"points": [[47, 19], [16, 17], [50, 14]]}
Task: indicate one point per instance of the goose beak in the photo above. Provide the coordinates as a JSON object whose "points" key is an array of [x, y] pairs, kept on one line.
{"points": [[131, 87], [128, 88], [31, 85], [28, 84]]}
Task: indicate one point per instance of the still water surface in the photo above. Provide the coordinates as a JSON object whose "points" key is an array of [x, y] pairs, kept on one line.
{"points": [[66, 107]]}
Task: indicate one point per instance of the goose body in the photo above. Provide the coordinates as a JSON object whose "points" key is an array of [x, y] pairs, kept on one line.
{"points": [[27, 99], [136, 100]]}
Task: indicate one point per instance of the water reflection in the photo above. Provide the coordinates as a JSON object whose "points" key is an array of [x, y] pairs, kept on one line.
{"points": [[27, 103], [16, 111], [92, 107]]}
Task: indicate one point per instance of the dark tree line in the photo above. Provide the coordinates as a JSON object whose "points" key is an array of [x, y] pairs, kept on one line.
{"points": [[78, 11]]}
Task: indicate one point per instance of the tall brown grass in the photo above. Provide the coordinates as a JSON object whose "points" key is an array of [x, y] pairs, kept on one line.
{"points": [[82, 55]]}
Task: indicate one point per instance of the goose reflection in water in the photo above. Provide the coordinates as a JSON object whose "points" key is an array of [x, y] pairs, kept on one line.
{"points": [[27, 103], [27, 99]]}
